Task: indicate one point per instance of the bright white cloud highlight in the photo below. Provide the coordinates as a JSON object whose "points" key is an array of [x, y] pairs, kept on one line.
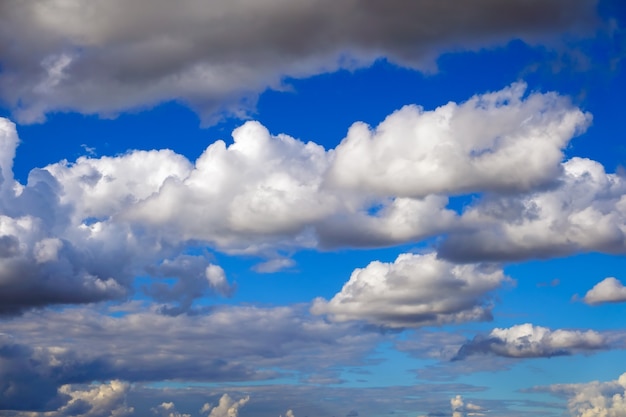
{"points": [[415, 290], [516, 145], [97, 400], [227, 407], [609, 290]]}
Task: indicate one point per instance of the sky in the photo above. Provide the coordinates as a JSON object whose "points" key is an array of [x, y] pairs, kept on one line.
{"points": [[309, 208]]}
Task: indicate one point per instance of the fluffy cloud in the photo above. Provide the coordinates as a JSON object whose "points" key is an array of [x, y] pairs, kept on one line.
{"points": [[94, 401], [227, 407], [415, 153], [593, 399], [585, 211], [58, 245], [462, 409], [609, 290], [80, 232], [110, 56], [528, 341], [414, 290]]}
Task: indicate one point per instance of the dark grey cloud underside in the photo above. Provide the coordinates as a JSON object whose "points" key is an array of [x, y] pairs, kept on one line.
{"points": [[152, 48]]}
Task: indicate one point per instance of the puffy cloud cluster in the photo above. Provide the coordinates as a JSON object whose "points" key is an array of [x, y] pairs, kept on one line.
{"points": [[415, 290], [462, 409], [415, 153], [585, 211], [609, 290], [80, 232], [528, 341], [110, 56], [227, 407], [168, 409], [58, 244], [593, 399], [96, 400]]}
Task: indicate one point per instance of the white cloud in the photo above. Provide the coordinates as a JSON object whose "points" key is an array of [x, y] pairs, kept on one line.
{"points": [[168, 409], [584, 211], [529, 341], [110, 56], [593, 399], [462, 409], [414, 290], [516, 146], [227, 407], [609, 290], [97, 223], [274, 265], [96, 400]]}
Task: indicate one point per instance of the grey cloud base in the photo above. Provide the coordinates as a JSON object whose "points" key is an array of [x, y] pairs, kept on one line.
{"points": [[109, 56]]}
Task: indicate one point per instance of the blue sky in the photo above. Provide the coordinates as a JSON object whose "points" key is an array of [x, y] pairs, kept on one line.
{"points": [[312, 208]]}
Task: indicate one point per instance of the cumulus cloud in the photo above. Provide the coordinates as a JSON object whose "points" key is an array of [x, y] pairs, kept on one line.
{"points": [[80, 232], [227, 407], [592, 399], [585, 211], [415, 290], [58, 244], [609, 290], [168, 409], [95, 400], [462, 409], [107, 399], [529, 341], [416, 153], [111, 56]]}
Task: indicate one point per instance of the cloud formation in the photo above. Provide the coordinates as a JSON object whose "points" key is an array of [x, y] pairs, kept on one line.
{"points": [[81, 232], [111, 56], [415, 290], [609, 290], [97, 400], [227, 407], [41, 354], [585, 211], [529, 341], [594, 398], [414, 153]]}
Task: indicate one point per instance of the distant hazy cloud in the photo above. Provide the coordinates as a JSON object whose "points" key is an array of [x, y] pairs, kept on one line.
{"points": [[254, 344], [592, 399], [110, 56], [462, 409], [609, 290], [528, 341], [227, 407], [415, 290]]}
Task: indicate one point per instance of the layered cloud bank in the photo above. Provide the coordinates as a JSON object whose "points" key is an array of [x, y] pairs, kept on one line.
{"points": [[110, 56], [80, 232]]}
